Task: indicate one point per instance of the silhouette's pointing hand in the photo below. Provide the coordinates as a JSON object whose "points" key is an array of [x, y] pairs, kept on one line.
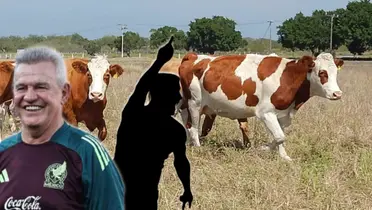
{"points": [[166, 52], [186, 197]]}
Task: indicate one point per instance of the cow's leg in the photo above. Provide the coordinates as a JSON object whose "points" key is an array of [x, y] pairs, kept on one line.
{"points": [[243, 124], [192, 129], [272, 123], [68, 113], [102, 130], [2, 118], [12, 124], [207, 124], [100, 124], [185, 115], [285, 122], [210, 116], [192, 117], [70, 117], [14, 120]]}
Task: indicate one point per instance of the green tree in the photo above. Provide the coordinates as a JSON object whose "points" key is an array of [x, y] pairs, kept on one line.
{"points": [[308, 32], [321, 21], [355, 26], [160, 35], [34, 39], [131, 41], [6, 45], [218, 33], [297, 33], [92, 47], [107, 41]]}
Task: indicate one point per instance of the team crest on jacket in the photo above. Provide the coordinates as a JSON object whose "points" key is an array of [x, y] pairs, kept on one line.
{"points": [[55, 176]]}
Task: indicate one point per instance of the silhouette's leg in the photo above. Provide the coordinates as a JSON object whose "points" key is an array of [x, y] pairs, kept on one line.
{"points": [[152, 198], [207, 124], [129, 198], [243, 123], [128, 173]]}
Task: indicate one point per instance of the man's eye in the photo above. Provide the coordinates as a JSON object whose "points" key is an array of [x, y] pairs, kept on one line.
{"points": [[41, 87]]}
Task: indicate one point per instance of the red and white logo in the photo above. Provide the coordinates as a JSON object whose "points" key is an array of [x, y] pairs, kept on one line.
{"points": [[28, 203]]}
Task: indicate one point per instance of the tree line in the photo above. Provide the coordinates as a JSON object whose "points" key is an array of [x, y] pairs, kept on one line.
{"points": [[352, 28]]}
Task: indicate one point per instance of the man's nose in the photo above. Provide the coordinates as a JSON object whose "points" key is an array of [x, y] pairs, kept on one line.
{"points": [[30, 95]]}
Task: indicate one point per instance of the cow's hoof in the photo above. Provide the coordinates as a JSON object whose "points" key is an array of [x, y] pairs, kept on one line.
{"points": [[267, 147], [287, 158]]}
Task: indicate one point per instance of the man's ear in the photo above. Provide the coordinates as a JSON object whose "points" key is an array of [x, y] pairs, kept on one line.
{"points": [[66, 92]]}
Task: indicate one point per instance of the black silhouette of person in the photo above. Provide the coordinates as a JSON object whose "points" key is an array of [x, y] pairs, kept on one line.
{"points": [[147, 135]]}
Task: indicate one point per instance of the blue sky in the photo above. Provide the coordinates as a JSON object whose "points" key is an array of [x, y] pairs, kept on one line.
{"points": [[94, 19]]}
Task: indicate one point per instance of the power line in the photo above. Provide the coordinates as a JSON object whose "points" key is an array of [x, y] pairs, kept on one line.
{"points": [[125, 26], [87, 30]]}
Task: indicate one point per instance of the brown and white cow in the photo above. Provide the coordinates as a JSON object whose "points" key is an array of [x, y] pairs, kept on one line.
{"points": [[89, 81], [271, 88], [6, 95]]}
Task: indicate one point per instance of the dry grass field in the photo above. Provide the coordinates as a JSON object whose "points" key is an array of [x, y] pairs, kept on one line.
{"points": [[330, 142]]}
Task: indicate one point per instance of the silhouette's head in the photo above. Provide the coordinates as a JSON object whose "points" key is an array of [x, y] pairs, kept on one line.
{"points": [[165, 93]]}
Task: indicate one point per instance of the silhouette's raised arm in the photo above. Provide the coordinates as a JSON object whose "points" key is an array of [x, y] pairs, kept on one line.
{"points": [[138, 97]]}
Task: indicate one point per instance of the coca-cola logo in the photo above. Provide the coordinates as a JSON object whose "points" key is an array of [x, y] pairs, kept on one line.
{"points": [[28, 203]]}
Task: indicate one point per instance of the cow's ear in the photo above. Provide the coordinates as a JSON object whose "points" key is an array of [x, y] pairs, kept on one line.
{"points": [[116, 70], [7, 66], [308, 62], [80, 66], [339, 63]]}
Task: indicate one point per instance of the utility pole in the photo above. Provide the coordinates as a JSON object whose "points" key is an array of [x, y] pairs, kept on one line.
{"points": [[270, 22], [122, 28], [330, 42]]}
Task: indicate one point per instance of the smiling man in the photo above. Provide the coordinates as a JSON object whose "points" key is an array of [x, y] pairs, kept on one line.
{"points": [[50, 164]]}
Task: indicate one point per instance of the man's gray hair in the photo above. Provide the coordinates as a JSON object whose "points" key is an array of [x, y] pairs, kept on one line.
{"points": [[34, 55]]}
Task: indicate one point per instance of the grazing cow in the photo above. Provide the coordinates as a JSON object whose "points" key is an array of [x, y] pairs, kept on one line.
{"points": [[271, 88], [171, 66], [6, 95], [89, 81]]}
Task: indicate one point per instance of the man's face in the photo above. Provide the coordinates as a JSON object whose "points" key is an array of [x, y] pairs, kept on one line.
{"points": [[37, 97]]}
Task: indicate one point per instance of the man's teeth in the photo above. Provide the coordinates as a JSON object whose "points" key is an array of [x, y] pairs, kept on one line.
{"points": [[33, 108]]}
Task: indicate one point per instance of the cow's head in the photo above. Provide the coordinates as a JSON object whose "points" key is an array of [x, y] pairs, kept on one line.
{"points": [[6, 71], [322, 75], [99, 73]]}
